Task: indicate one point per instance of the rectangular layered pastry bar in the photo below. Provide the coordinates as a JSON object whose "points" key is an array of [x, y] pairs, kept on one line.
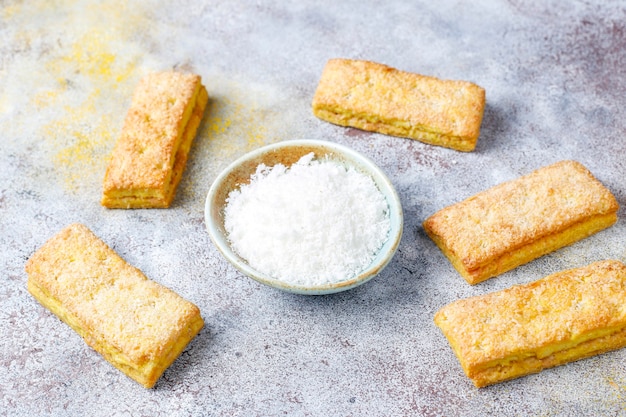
{"points": [[136, 324], [520, 220], [150, 155], [524, 329], [375, 97]]}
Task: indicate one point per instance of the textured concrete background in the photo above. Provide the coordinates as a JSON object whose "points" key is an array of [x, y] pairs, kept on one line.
{"points": [[554, 74]]}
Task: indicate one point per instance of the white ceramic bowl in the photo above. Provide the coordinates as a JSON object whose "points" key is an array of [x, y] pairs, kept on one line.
{"points": [[287, 153]]}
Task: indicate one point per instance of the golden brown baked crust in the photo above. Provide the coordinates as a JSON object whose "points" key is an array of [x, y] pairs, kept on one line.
{"points": [[561, 318], [149, 157], [138, 325], [520, 220], [378, 98]]}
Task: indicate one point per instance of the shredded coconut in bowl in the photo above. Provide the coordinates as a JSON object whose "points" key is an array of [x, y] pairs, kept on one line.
{"points": [[314, 223]]}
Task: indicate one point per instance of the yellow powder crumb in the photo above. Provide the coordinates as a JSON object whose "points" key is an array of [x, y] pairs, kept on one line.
{"points": [[9, 11], [218, 125], [77, 71], [234, 124], [85, 132], [83, 138], [47, 98], [618, 395], [620, 387]]}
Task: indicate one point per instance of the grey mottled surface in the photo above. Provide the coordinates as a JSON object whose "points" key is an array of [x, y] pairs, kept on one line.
{"points": [[554, 74]]}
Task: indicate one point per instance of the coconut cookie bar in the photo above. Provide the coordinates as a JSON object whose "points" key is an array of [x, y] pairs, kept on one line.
{"points": [[520, 220], [149, 157], [374, 97], [138, 325], [561, 318]]}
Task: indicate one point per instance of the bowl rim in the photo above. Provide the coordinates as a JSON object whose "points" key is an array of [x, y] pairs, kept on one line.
{"points": [[362, 163]]}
